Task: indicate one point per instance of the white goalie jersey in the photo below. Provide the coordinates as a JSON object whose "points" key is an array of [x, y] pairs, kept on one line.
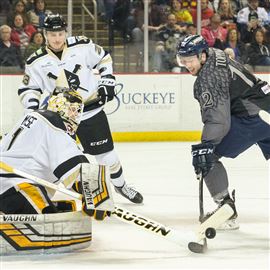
{"points": [[74, 69], [40, 146]]}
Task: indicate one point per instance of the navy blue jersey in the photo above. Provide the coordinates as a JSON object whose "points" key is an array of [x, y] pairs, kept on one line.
{"points": [[224, 88]]}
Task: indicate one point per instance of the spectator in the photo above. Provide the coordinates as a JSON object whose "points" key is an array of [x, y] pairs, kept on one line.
{"points": [[168, 37], [101, 9], [233, 42], [163, 7], [37, 15], [5, 7], [215, 34], [157, 18], [182, 14], [253, 5], [207, 13], [109, 8], [29, 4], [227, 14], [259, 50], [264, 3], [189, 4], [248, 31], [236, 4], [239, 4], [191, 29], [267, 8], [21, 32], [18, 8], [121, 12], [37, 40], [10, 55]]}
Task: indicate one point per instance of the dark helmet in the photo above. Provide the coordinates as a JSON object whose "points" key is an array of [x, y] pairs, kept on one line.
{"points": [[54, 23], [192, 45]]}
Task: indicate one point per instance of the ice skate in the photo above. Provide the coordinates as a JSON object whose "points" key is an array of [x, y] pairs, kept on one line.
{"points": [[231, 223], [129, 193]]}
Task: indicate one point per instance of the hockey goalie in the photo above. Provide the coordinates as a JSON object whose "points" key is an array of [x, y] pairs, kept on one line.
{"points": [[42, 144]]}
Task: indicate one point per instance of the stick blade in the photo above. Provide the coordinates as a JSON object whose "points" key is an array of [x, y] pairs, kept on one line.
{"points": [[197, 247], [214, 221]]}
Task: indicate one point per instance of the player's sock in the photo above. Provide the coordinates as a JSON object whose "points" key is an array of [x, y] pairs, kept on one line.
{"points": [[231, 223], [129, 193]]}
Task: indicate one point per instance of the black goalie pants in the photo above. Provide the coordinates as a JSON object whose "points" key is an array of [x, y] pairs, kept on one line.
{"points": [[26, 198]]}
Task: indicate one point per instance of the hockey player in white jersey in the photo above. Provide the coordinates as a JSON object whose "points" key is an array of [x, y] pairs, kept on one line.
{"points": [[41, 144], [74, 58]]}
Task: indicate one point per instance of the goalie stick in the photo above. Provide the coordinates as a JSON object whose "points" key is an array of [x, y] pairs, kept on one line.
{"points": [[184, 239], [93, 201]]}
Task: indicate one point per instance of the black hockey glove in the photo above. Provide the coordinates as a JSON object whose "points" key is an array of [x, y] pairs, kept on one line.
{"points": [[96, 214], [203, 158], [106, 87]]}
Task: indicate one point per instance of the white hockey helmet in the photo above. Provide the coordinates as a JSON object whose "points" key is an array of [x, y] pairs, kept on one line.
{"points": [[69, 105]]}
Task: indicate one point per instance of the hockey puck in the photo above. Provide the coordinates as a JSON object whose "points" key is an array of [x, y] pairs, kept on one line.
{"points": [[197, 248], [210, 233]]}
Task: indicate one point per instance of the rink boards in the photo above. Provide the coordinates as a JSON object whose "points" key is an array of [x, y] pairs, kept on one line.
{"points": [[147, 107]]}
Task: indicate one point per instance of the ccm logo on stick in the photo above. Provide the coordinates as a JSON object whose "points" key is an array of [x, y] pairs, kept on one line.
{"points": [[98, 143]]}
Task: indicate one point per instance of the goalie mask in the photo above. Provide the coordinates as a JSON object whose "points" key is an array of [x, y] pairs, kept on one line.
{"points": [[69, 105]]}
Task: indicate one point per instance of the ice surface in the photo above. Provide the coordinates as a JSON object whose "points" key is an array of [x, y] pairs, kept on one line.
{"points": [[164, 175]]}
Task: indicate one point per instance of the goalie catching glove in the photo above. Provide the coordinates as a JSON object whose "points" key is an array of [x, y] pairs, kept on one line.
{"points": [[106, 87], [203, 158]]}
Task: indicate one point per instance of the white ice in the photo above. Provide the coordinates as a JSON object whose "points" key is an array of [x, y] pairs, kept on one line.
{"points": [[164, 175]]}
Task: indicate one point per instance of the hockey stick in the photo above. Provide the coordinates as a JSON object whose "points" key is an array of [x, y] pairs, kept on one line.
{"points": [[202, 208], [139, 221], [40, 181], [195, 247], [185, 239]]}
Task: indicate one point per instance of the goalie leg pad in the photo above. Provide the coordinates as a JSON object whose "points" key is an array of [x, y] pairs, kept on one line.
{"points": [[44, 233]]}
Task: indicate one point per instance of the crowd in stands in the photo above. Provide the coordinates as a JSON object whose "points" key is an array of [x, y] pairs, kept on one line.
{"points": [[239, 27], [21, 24]]}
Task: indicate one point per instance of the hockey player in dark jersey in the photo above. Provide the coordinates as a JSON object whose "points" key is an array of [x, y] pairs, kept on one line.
{"points": [[230, 99], [71, 60]]}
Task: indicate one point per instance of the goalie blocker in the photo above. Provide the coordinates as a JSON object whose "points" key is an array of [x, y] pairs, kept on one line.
{"points": [[97, 200]]}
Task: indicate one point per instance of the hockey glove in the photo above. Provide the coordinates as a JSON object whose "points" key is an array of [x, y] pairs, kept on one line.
{"points": [[106, 87], [96, 214], [203, 158]]}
